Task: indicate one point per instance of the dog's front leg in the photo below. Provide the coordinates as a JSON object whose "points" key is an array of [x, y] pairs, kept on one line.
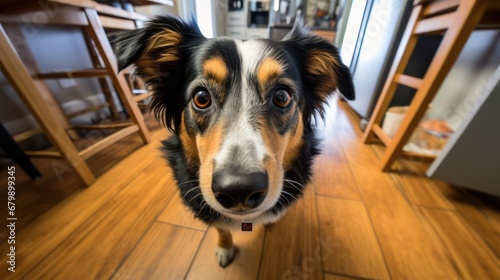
{"points": [[225, 247]]}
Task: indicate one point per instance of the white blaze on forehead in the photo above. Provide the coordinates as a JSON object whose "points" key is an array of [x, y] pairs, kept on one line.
{"points": [[240, 132], [251, 53]]}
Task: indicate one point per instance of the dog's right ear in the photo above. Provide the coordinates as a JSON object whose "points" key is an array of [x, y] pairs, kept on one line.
{"points": [[160, 51], [162, 40]]}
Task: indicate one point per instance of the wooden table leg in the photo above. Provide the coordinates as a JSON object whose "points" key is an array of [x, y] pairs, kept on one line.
{"points": [[97, 34], [108, 94]]}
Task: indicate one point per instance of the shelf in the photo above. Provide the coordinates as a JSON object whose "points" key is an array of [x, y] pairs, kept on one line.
{"points": [[103, 126], [112, 11], [45, 153], [435, 24], [87, 110], [440, 7], [14, 7], [153, 2], [27, 134], [116, 23], [86, 73], [108, 141], [102, 9], [413, 156], [141, 97], [408, 81]]}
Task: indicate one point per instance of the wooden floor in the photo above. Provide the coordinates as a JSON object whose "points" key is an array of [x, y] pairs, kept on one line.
{"points": [[354, 222]]}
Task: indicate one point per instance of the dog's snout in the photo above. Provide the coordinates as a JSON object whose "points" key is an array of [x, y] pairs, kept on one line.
{"points": [[244, 190]]}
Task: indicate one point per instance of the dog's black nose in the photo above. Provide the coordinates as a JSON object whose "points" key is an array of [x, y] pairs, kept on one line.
{"points": [[231, 190]]}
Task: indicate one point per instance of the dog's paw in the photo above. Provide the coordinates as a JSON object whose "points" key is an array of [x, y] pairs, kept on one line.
{"points": [[224, 256]]}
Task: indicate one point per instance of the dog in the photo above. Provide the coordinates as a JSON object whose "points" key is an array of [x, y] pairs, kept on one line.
{"points": [[242, 115]]}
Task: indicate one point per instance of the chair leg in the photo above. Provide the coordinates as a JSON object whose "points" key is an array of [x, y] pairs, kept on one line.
{"points": [[17, 154], [99, 36], [21, 80], [468, 16], [108, 95], [406, 46], [31, 64]]}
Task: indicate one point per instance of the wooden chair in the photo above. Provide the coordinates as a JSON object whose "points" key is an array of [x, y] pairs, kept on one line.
{"points": [[456, 19], [35, 94]]}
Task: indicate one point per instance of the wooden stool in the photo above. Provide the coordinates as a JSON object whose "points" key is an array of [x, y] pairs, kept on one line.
{"points": [[32, 90], [457, 19]]}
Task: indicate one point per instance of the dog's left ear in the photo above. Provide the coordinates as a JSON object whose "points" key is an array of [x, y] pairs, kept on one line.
{"points": [[323, 71]]}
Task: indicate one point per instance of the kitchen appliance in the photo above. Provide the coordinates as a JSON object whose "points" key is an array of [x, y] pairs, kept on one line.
{"points": [[235, 5], [317, 14], [258, 15]]}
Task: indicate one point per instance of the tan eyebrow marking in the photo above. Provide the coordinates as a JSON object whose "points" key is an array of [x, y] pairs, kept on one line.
{"points": [[268, 69], [215, 68]]}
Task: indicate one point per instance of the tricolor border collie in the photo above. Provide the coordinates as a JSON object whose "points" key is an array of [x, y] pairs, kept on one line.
{"points": [[241, 113]]}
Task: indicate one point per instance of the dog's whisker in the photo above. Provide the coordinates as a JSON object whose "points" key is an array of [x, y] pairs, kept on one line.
{"points": [[290, 185], [187, 182], [285, 192], [279, 201], [190, 190], [296, 182], [293, 184], [204, 204], [194, 198], [285, 198]]}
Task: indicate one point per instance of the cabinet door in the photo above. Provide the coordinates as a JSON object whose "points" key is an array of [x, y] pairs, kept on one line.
{"points": [[237, 32], [471, 157], [254, 33], [236, 18]]}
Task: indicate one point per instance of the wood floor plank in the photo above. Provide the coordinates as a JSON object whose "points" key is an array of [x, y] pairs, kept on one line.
{"points": [[245, 265], [473, 258], [410, 251], [47, 231], [165, 252], [417, 189], [329, 276], [483, 217], [346, 223], [331, 173], [333, 177], [58, 180], [177, 213], [292, 247], [99, 245], [481, 211]]}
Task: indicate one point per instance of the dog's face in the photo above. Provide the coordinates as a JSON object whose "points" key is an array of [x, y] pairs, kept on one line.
{"points": [[239, 109]]}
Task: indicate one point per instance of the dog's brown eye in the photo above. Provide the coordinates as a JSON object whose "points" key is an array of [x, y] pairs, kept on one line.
{"points": [[202, 100], [282, 98]]}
